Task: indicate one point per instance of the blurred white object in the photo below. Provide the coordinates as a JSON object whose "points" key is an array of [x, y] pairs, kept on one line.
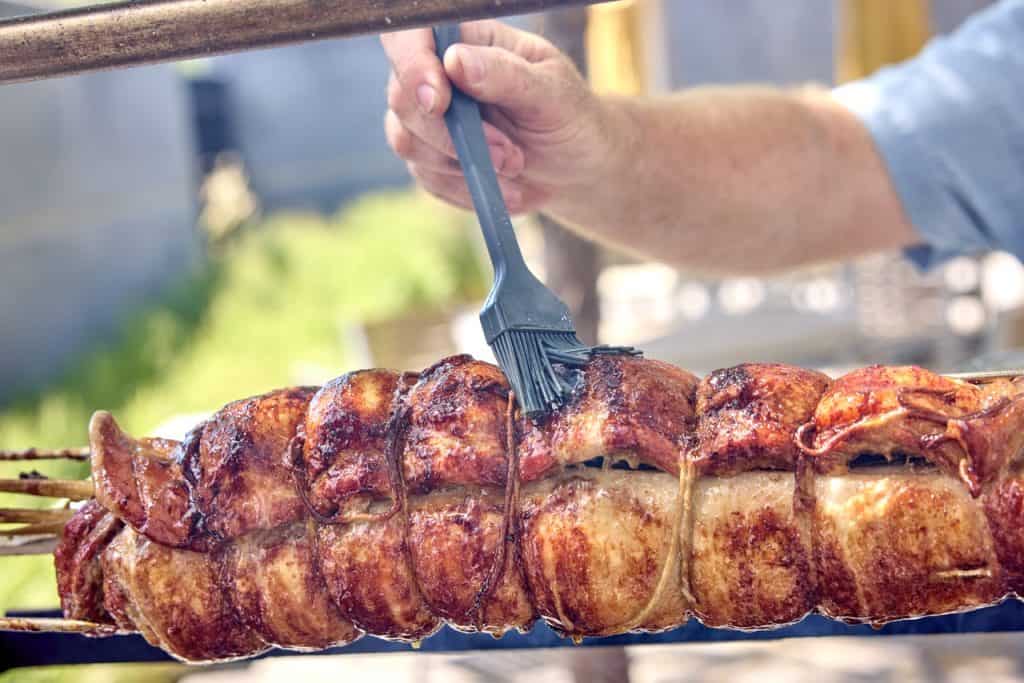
{"points": [[820, 295], [177, 426], [693, 300], [306, 374], [741, 295], [962, 274], [1002, 281], [992, 657], [637, 280], [469, 336], [637, 302], [357, 344], [966, 315], [228, 201], [411, 667]]}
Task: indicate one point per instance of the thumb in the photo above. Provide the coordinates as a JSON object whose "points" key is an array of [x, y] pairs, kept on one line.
{"points": [[494, 75]]}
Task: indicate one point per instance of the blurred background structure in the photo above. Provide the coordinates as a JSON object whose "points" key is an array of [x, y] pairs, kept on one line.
{"points": [[98, 193], [176, 237]]}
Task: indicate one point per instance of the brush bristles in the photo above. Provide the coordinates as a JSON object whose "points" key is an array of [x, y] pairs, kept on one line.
{"points": [[526, 357]]}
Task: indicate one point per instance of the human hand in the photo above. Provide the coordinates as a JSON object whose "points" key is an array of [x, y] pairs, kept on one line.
{"points": [[548, 134]]}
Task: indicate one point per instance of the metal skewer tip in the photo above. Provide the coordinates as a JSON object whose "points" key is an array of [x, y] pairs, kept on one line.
{"points": [[58, 626]]}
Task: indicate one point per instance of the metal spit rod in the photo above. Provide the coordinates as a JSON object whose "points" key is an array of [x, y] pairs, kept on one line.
{"points": [[124, 34]]}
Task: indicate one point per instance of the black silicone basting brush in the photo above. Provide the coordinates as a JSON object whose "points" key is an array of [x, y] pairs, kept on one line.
{"points": [[526, 325]]}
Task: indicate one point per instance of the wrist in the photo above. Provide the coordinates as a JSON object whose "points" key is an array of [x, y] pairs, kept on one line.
{"points": [[618, 132], [607, 139]]}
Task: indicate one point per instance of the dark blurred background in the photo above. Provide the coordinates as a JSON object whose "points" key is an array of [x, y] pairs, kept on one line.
{"points": [[176, 237]]}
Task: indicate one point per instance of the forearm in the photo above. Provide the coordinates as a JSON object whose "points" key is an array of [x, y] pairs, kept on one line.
{"points": [[738, 179]]}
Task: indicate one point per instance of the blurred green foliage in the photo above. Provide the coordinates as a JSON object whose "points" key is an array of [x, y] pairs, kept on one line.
{"points": [[100, 673], [262, 310]]}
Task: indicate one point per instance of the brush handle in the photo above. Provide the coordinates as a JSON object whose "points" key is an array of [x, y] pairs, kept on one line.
{"points": [[467, 130]]}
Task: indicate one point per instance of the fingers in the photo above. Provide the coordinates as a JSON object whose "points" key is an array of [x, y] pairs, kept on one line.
{"points": [[453, 193], [427, 143], [415, 150], [417, 69], [453, 189], [492, 33], [419, 93], [504, 54], [497, 76], [430, 129]]}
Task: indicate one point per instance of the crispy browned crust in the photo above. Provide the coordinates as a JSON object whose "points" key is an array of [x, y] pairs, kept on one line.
{"points": [[239, 468], [367, 572], [594, 549], [968, 431], [230, 476], [750, 564], [392, 504], [173, 598], [453, 541], [749, 413], [1004, 508], [455, 430], [631, 406], [77, 560], [140, 482], [910, 544], [344, 438], [275, 587]]}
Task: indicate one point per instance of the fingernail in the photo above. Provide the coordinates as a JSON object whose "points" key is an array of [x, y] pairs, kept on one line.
{"points": [[427, 97], [472, 65]]}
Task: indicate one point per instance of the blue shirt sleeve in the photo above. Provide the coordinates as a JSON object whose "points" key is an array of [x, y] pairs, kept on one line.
{"points": [[949, 125]]}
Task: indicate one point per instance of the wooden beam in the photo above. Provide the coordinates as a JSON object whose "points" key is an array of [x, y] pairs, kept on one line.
{"points": [[148, 31]]}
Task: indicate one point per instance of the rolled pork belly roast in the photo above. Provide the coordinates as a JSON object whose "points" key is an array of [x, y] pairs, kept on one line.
{"points": [[390, 504]]}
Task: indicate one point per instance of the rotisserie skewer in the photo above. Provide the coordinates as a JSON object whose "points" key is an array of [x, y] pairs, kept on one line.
{"points": [[53, 488], [40, 454], [390, 504]]}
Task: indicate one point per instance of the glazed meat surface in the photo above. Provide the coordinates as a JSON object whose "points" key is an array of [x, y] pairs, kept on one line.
{"points": [[230, 476], [390, 504], [639, 409], [344, 439], [749, 414], [969, 431]]}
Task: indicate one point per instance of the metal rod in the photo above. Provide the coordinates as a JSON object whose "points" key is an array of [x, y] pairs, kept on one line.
{"points": [[149, 31], [49, 529], [74, 489], [13, 546], [986, 375], [34, 516], [40, 454], [58, 626]]}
